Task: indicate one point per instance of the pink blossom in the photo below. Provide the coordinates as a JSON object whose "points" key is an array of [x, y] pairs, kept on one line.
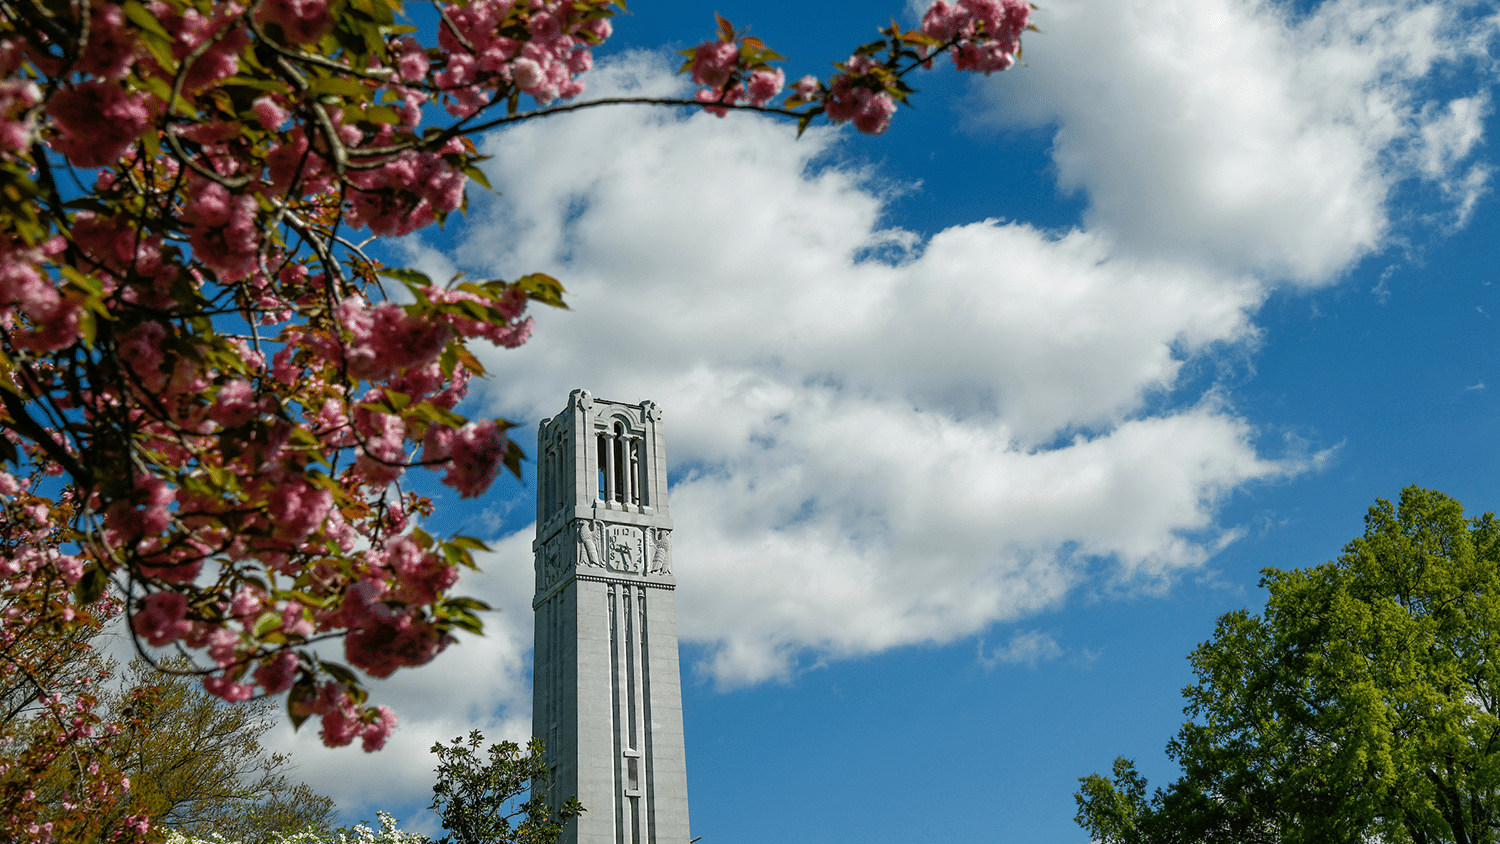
{"points": [[870, 110], [420, 576], [270, 113], [714, 62], [340, 723], [223, 646], [294, 621], [388, 639], [17, 123], [160, 618], [356, 604], [297, 508], [944, 20], [97, 121], [71, 568], [301, 21], [413, 63], [223, 229], [245, 604], [277, 675], [153, 515], [765, 85], [387, 339], [112, 46], [473, 455], [228, 688], [383, 457], [598, 29], [527, 74], [191, 28], [734, 96], [376, 732], [986, 33], [235, 404]]}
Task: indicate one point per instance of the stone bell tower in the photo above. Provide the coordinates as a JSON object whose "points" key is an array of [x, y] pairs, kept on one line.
{"points": [[607, 695]]}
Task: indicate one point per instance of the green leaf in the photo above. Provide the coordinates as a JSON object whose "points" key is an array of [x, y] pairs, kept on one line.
{"points": [[258, 83], [381, 114], [91, 586], [469, 604], [86, 282], [543, 288], [267, 622], [477, 175], [337, 86], [144, 19], [470, 543], [410, 278]]}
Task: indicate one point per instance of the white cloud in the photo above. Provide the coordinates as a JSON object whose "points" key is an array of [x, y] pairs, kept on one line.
{"points": [[1026, 647], [1232, 131], [872, 452]]}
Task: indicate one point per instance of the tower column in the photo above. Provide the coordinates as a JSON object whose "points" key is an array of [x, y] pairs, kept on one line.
{"points": [[607, 695]]}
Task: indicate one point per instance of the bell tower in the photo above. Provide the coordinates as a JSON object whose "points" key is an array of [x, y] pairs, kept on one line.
{"points": [[606, 689]]}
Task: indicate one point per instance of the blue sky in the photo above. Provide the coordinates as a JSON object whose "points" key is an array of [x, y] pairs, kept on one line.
{"points": [[975, 428]]}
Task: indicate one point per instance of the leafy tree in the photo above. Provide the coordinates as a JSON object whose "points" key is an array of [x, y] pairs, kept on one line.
{"points": [[1362, 705], [195, 764], [479, 802]]}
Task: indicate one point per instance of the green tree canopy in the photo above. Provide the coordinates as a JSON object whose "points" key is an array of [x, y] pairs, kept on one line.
{"points": [[1360, 706], [480, 802], [196, 764]]}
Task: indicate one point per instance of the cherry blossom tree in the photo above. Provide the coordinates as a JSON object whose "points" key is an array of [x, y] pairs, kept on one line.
{"points": [[210, 392]]}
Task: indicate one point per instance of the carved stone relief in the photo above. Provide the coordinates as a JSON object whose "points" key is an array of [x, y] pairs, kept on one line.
{"points": [[661, 553], [589, 535]]}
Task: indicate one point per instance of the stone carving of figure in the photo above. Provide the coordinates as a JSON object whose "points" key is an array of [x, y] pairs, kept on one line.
{"points": [[554, 563], [586, 542], [661, 557]]}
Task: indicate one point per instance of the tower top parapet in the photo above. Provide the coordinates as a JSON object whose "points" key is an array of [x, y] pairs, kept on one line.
{"points": [[602, 491]]}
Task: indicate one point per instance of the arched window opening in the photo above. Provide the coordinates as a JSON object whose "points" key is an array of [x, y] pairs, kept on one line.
{"points": [[603, 440], [619, 464]]}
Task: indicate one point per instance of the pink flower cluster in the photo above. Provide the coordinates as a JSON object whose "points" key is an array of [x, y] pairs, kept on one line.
{"points": [[988, 32], [18, 97], [54, 319], [300, 21], [852, 98], [385, 340], [716, 64], [342, 722], [473, 455], [383, 637], [406, 193], [97, 121], [543, 56]]}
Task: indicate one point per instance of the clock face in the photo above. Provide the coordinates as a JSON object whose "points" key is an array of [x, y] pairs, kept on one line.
{"points": [[626, 549]]}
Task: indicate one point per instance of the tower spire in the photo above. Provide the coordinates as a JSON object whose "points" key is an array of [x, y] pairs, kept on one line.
{"points": [[607, 693]]}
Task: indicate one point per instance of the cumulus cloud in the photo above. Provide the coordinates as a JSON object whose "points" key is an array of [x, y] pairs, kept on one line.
{"points": [[877, 439], [1026, 647], [1241, 134]]}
